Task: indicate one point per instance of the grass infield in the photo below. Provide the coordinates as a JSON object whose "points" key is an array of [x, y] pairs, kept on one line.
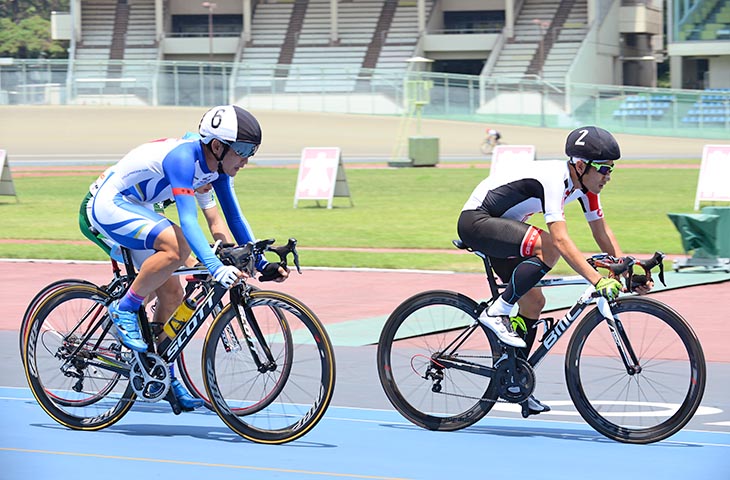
{"points": [[407, 208]]}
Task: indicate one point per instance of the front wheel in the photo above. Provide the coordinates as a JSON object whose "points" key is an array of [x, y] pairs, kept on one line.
{"points": [[654, 392], [270, 375], [486, 147], [435, 361]]}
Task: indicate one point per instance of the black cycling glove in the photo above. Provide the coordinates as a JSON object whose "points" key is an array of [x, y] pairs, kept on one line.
{"points": [[270, 272]]}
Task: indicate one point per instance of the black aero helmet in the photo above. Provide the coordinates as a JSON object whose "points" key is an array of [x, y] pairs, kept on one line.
{"points": [[593, 144], [229, 124]]}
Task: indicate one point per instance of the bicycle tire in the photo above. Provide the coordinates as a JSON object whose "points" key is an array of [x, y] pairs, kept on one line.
{"points": [[87, 396], [191, 374], [668, 388], [36, 300], [193, 378], [486, 147], [419, 328], [40, 300], [290, 402]]}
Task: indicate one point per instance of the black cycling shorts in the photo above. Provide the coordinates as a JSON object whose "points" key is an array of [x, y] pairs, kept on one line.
{"points": [[507, 242]]}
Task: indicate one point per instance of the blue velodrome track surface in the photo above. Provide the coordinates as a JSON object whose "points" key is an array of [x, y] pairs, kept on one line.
{"points": [[150, 442]]}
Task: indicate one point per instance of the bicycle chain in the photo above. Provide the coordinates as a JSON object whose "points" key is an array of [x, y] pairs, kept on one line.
{"points": [[490, 400]]}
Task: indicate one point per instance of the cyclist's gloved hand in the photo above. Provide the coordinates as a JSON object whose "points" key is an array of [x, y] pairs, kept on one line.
{"points": [[608, 288], [273, 271], [226, 275]]}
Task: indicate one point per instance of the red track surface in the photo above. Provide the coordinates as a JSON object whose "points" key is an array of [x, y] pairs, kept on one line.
{"points": [[339, 295]]}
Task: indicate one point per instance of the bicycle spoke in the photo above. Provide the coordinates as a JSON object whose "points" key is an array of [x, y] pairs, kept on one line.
{"points": [[654, 398], [429, 392], [68, 373], [275, 402]]}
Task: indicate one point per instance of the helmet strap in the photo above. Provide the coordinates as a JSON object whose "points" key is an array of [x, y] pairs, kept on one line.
{"points": [[219, 158], [583, 188]]}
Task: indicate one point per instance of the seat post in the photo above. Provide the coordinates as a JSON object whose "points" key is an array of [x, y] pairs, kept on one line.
{"points": [[490, 276]]}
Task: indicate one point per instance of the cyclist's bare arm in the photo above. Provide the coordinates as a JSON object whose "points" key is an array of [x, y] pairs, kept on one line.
{"points": [[604, 237], [217, 225], [569, 251]]}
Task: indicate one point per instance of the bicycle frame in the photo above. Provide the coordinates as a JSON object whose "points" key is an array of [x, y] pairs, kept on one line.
{"points": [[553, 333], [174, 348], [551, 336]]}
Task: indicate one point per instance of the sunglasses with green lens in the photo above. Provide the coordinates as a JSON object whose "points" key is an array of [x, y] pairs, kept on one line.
{"points": [[603, 169]]}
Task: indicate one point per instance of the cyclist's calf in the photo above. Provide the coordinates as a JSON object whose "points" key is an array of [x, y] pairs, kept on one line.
{"points": [[532, 303]]}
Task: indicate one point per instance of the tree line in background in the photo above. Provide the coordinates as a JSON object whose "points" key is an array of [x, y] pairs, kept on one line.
{"points": [[25, 29]]}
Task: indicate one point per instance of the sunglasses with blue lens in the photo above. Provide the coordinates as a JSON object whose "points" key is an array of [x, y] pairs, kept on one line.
{"points": [[603, 169], [244, 149]]}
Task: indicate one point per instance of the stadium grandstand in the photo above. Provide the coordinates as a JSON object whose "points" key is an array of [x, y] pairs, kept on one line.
{"points": [[543, 62]]}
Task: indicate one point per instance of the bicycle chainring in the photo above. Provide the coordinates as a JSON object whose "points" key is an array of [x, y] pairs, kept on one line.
{"points": [[517, 387], [149, 377]]}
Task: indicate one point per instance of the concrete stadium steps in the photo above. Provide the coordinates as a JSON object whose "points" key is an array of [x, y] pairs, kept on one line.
{"points": [[400, 40], [97, 22], [269, 25], [141, 28], [514, 59], [328, 69]]}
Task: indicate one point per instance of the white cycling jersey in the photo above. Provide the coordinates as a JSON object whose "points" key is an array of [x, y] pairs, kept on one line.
{"points": [[539, 187], [166, 169]]}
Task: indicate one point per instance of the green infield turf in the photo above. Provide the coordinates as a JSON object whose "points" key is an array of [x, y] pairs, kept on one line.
{"points": [[406, 208]]}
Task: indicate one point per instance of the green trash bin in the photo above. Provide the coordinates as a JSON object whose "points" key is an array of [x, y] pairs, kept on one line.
{"points": [[698, 232], [722, 242], [423, 151]]}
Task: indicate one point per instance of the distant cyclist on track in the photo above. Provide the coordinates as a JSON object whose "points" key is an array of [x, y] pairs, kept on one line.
{"points": [[494, 218], [491, 140]]}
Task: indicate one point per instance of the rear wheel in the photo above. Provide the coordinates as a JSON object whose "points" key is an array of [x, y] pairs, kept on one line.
{"points": [[74, 365], [435, 361], [36, 301], [657, 393]]}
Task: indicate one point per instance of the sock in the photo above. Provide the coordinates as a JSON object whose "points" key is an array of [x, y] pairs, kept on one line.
{"points": [[528, 336], [524, 277], [131, 302], [499, 308]]}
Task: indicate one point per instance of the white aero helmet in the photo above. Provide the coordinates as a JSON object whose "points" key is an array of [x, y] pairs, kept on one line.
{"points": [[233, 126]]}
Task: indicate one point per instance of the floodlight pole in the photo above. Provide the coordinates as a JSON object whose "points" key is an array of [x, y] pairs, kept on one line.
{"points": [[210, 6]]}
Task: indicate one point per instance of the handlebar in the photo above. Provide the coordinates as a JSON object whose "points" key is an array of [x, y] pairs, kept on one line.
{"points": [[625, 266], [244, 257]]}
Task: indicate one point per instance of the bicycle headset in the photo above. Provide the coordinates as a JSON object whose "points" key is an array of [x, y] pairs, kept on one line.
{"points": [[591, 145], [232, 126]]}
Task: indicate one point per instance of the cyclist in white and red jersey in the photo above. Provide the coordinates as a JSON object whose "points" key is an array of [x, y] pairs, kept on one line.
{"points": [[120, 208], [494, 218]]}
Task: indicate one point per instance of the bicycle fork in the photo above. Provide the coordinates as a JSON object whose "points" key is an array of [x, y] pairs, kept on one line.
{"points": [[620, 338], [248, 325]]}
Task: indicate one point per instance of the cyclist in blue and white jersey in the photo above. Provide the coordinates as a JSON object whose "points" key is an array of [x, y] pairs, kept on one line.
{"points": [[170, 169], [494, 218]]}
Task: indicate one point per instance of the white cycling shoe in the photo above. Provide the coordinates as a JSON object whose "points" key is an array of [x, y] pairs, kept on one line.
{"points": [[502, 327]]}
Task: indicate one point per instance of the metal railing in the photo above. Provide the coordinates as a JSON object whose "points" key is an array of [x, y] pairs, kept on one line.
{"points": [[520, 101]]}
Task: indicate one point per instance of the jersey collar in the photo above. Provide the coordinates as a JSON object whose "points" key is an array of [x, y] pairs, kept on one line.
{"points": [[201, 158]]}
